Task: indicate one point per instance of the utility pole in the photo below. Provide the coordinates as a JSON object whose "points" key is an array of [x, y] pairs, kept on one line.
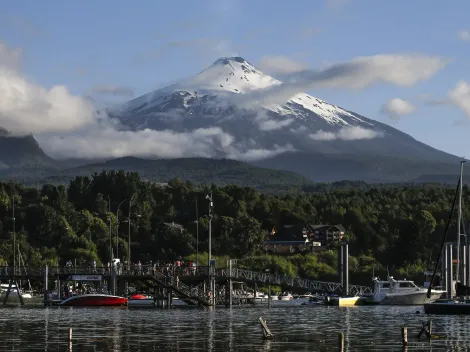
{"points": [[117, 228], [459, 222], [197, 235]]}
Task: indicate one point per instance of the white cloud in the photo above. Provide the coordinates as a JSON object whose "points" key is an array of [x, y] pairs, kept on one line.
{"points": [[105, 89], [69, 126], [346, 134], [464, 35], [396, 107], [359, 73], [460, 97], [323, 136], [26, 107], [280, 64], [268, 123]]}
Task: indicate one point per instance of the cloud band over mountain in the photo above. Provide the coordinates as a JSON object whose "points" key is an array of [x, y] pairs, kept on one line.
{"points": [[68, 126]]}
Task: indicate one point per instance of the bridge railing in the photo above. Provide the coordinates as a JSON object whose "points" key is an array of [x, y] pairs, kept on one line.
{"points": [[310, 285], [90, 270]]}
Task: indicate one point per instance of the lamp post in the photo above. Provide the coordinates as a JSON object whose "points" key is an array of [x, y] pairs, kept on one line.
{"points": [[129, 234], [117, 228], [14, 236]]}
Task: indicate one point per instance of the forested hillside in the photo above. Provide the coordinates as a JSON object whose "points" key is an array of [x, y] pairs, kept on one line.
{"points": [[395, 226]]}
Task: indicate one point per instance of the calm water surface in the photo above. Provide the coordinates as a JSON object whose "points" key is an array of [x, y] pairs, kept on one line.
{"points": [[297, 328]]}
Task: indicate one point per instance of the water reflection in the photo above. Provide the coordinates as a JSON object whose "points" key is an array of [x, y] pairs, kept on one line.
{"points": [[297, 328]]}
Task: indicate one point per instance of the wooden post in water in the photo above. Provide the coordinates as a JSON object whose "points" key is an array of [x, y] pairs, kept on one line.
{"points": [[341, 342], [70, 339], [230, 285], [267, 335], [269, 295], [404, 336]]}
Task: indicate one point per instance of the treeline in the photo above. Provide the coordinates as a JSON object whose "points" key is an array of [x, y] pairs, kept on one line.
{"points": [[399, 227]]}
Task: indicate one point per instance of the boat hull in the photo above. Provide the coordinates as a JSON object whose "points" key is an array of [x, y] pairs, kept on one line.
{"points": [[412, 299], [343, 301], [94, 300], [447, 307], [144, 302]]}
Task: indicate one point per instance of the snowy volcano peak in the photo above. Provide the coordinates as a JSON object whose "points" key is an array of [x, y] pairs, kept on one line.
{"points": [[229, 74]]}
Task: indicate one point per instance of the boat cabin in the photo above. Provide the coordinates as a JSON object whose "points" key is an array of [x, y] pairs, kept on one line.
{"points": [[393, 286], [427, 279]]}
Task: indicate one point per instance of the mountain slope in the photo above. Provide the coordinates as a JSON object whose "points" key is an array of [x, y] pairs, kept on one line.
{"points": [[197, 170], [235, 96], [22, 155]]}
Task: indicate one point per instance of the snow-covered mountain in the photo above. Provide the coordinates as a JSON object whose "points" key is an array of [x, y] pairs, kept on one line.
{"points": [[238, 98]]}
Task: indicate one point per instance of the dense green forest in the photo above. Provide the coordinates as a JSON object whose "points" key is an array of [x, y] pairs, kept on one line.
{"points": [[399, 227]]}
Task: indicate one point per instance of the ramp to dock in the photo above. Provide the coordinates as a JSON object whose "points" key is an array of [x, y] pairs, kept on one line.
{"points": [[189, 295]]}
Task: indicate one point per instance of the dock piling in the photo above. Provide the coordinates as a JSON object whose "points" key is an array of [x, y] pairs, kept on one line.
{"points": [[404, 336], [70, 339], [341, 342]]}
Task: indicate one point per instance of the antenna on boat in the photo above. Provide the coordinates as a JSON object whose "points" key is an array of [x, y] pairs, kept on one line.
{"points": [[459, 223]]}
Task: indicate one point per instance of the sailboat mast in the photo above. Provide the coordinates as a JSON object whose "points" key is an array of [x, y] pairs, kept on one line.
{"points": [[459, 222]]}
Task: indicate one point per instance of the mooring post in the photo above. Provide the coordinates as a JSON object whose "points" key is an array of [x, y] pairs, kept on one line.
{"points": [[70, 339], [168, 299], [230, 284], [346, 267], [269, 295], [46, 279], [341, 342], [404, 336]]}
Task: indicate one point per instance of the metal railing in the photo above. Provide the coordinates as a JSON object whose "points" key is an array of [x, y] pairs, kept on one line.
{"points": [[179, 271], [295, 282]]}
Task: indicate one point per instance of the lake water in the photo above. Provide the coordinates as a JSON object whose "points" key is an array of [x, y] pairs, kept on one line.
{"points": [[297, 328]]}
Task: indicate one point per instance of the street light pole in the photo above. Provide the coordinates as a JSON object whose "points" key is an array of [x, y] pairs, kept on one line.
{"points": [[14, 238], [129, 234], [117, 228]]}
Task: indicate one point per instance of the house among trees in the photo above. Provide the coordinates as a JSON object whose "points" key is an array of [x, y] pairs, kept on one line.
{"points": [[303, 238]]}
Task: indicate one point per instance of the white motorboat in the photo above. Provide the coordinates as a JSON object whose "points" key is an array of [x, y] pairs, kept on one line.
{"points": [[13, 291], [285, 297], [261, 296], [400, 292]]}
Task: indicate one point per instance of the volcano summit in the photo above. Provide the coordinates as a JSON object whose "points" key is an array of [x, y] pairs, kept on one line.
{"points": [[300, 133]]}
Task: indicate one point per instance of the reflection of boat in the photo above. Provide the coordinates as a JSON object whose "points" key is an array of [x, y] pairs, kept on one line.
{"points": [[141, 300], [286, 297], [94, 299], [399, 292]]}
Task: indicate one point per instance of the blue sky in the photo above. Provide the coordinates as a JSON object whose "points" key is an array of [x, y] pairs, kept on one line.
{"points": [[143, 45]]}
